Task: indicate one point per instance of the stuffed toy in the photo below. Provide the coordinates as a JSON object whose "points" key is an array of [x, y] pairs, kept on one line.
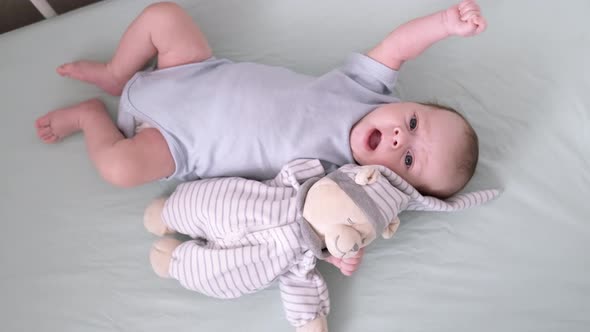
{"points": [[246, 234]]}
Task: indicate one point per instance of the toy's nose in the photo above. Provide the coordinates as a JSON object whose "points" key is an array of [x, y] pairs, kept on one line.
{"points": [[398, 138]]}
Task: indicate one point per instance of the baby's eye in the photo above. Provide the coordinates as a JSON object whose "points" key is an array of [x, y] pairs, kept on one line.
{"points": [[413, 122], [408, 160]]}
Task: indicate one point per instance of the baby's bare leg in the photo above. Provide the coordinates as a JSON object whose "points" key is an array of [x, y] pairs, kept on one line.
{"points": [[122, 162], [163, 29]]}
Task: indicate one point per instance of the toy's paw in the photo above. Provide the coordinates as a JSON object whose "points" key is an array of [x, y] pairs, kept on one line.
{"points": [[319, 324], [161, 255], [152, 218], [391, 229], [367, 175]]}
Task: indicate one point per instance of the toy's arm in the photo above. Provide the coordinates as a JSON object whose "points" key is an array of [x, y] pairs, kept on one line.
{"points": [[296, 172], [391, 228], [304, 292], [412, 38]]}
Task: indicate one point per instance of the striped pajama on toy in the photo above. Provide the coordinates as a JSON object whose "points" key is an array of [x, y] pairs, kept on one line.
{"points": [[247, 235]]}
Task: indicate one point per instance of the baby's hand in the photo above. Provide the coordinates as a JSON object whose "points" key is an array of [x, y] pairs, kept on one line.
{"points": [[347, 266], [465, 19]]}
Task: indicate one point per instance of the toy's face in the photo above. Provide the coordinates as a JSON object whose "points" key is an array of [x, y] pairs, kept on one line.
{"points": [[337, 219]]}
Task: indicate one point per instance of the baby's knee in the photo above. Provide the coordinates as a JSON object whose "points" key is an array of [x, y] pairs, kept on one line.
{"points": [[119, 172], [165, 9]]}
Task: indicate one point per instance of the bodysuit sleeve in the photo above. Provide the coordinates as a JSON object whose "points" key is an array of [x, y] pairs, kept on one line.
{"points": [[304, 292], [362, 75]]}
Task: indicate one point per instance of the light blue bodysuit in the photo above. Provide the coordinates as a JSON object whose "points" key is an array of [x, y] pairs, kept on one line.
{"points": [[221, 118]]}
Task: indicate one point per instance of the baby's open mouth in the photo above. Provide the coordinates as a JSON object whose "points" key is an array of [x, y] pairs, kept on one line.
{"points": [[374, 139]]}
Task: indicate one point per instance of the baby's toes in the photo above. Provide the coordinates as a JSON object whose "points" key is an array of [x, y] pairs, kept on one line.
{"points": [[42, 122], [49, 138], [65, 69], [47, 135], [44, 131]]}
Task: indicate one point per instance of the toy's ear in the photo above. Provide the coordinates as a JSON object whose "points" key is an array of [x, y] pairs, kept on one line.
{"points": [[391, 228], [367, 175]]}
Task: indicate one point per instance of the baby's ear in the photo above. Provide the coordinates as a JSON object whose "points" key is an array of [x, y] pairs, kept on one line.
{"points": [[367, 175], [391, 228]]}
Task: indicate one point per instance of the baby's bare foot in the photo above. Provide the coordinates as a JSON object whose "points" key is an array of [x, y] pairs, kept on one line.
{"points": [[96, 73], [58, 124]]}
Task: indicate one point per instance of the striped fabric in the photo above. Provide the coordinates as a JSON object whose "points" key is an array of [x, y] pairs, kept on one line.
{"points": [[247, 235], [388, 199], [417, 202], [391, 195]]}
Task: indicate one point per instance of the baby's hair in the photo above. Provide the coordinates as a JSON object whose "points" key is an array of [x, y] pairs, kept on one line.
{"points": [[466, 166]]}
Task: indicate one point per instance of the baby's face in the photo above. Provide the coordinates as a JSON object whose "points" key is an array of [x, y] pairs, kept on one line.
{"points": [[418, 142]]}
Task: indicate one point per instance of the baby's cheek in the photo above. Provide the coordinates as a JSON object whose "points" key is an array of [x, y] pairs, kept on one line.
{"points": [[388, 160]]}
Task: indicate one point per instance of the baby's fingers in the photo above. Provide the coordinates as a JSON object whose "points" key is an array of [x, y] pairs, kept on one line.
{"points": [[468, 10], [349, 265], [353, 261], [334, 261], [348, 269], [467, 4], [468, 16], [480, 22]]}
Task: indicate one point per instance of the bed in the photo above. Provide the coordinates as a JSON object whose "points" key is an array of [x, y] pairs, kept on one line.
{"points": [[74, 253]]}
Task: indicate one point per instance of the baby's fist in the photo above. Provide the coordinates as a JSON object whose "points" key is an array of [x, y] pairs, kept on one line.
{"points": [[347, 266], [465, 19]]}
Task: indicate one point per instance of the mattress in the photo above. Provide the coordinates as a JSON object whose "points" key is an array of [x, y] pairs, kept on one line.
{"points": [[74, 253]]}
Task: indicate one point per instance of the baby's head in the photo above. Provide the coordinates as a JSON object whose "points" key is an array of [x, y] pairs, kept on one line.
{"points": [[433, 148]]}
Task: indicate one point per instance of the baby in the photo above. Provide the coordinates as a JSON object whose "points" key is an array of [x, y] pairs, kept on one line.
{"points": [[197, 116]]}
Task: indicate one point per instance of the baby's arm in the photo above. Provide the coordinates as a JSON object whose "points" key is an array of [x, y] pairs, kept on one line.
{"points": [[412, 38]]}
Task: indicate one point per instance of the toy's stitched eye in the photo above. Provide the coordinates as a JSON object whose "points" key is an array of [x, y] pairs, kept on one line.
{"points": [[348, 220]]}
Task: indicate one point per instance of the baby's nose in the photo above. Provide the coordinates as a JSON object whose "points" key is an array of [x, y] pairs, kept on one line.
{"points": [[398, 138]]}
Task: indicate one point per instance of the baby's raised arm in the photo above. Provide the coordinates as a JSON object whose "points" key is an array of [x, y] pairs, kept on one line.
{"points": [[412, 38]]}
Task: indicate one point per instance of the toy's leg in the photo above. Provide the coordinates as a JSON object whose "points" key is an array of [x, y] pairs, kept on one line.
{"points": [[199, 268], [305, 298], [163, 29], [161, 255], [223, 273], [152, 218], [183, 211]]}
